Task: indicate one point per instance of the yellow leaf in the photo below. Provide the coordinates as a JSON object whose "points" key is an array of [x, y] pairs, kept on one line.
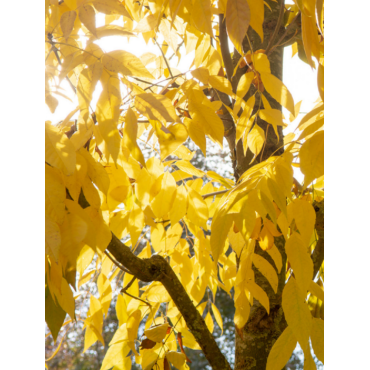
{"points": [[300, 261], [53, 238], [157, 333], [237, 241], [244, 84], [51, 102], [86, 85], [147, 24], [187, 167], [180, 205], [113, 30], [311, 158], [277, 195], [310, 38], [218, 316], [170, 139], [311, 129], [66, 300], [156, 107], [197, 209], [111, 7], [320, 80], [177, 359], [201, 16], [130, 136], [206, 118], [67, 21], [107, 114], [55, 195], [123, 62], [273, 116], [237, 21], [266, 270], [278, 91], [266, 239], [86, 13], [116, 356], [242, 310], [305, 217], [259, 294], [255, 140], [281, 350], [196, 133], [317, 338], [222, 84], [201, 74], [218, 178], [296, 312], [261, 63], [73, 231], [85, 278], [209, 322], [221, 225], [132, 325], [317, 290], [59, 151], [276, 256], [163, 201], [257, 16], [169, 35], [245, 121], [96, 172], [136, 223], [121, 310]]}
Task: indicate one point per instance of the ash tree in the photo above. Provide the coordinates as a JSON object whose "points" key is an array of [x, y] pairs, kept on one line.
{"points": [[170, 234]]}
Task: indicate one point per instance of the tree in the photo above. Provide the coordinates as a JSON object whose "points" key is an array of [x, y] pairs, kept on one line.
{"points": [[160, 221]]}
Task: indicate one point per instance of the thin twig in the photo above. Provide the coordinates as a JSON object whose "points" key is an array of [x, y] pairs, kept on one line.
{"points": [[285, 33], [177, 49], [117, 263], [123, 290], [204, 196], [164, 57], [277, 28]]}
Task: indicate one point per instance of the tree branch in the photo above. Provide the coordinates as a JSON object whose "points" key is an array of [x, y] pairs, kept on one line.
{"points": [[156, 268], [224, 44]]}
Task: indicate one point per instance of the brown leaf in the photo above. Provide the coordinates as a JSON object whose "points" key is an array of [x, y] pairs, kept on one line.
{"points": [[147, 344], [179, 340], [166, 365]]}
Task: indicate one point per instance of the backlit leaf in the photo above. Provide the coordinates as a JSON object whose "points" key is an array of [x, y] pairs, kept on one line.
{"points": [[278, 91], [237, 21], [59, 151], [86, 13], [311, 158], [156, 107], [296, 312], [67, 21]]}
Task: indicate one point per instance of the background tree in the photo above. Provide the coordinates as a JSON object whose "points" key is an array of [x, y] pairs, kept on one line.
{"points": [[155, 220]]}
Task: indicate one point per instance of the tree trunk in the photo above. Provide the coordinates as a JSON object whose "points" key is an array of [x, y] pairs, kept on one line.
{"points": [[254, 342]]}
